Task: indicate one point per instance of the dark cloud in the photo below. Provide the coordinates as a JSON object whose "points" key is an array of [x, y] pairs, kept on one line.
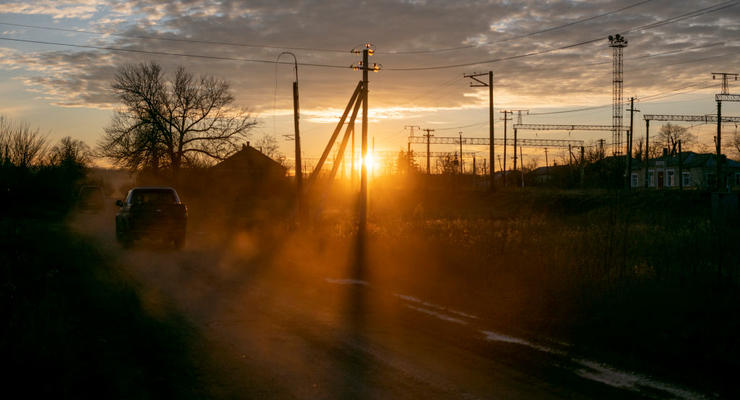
{"points": [[566, 77]]}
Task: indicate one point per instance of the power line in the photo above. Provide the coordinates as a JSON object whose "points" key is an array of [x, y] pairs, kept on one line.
{"points": [[171, 39], [678, 18], [522, 36], [322, 49], [692, 14], [164, 53]]}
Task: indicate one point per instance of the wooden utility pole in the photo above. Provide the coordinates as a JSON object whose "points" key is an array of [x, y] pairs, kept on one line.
{"points": [[521, 161], [296, 130], [680, 166], [629, 143], [428, 135], [518, 121], [505, 119], [489, 85], [363, 174], [647, 151], [461, 160], [515, 144], [583, 164], [719, 145]]}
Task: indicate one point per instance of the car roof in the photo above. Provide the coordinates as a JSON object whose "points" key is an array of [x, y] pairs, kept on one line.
{"points": [[152, 188]]}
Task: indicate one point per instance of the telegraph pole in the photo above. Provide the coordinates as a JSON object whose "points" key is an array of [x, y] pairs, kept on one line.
{"points": [[680, 166], [647, 151], [629, 142], [367, 50], [428, 135], [518, 121], [461, 160], [521, 160], [363, 174], [297, 137], [489, 85], [505, 119]]}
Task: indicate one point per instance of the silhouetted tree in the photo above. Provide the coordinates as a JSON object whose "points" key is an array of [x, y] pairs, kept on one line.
{"points": [[668, 137], [20, 145], [70, 153], [269, 146], [405, 162], [736, 142], [448, 164], [171, 123]]}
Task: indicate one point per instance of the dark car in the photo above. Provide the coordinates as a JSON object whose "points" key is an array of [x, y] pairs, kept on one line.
{"points": [[154, 213]]}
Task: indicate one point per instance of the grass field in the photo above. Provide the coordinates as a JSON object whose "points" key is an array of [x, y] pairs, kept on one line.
{"points": [[648, 280]]}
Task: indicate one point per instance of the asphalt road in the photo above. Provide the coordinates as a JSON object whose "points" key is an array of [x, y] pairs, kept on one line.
{"points": [[283, 335]]}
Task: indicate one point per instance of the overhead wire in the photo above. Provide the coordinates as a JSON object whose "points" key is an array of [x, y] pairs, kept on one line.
{"points": [[171, 39], [306, 48], [688, 15], [691, 14], [164, 53], [522, 36]]}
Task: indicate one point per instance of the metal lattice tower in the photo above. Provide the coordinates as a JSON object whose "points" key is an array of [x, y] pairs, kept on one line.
{"points": [[725, 76], [617, 42]]}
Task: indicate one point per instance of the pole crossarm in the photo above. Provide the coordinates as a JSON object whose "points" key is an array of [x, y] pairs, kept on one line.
{"points": [[498, 141], [727, 97], [431, 154], [689, 118], [551, 127]]}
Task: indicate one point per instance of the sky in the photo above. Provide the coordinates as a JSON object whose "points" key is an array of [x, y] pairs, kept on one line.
{"points": [[546, 56]]}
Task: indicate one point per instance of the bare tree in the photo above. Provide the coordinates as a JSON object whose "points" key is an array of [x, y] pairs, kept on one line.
{"points": [[638, 149], [669, 135], [405, 163], [448, 164], [595, 153], [70, 152], [269, 146], [172, 123], [20, 145], [736, 142]]}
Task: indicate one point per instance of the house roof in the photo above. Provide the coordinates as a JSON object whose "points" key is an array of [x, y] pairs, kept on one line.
{"points": [[692, 160], [249, 159]]}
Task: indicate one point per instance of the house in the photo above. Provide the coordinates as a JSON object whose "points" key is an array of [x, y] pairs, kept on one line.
{"points": [[250, 164], [695, 170]]}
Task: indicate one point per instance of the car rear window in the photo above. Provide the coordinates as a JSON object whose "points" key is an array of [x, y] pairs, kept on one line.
{"points": [[153, 196]]}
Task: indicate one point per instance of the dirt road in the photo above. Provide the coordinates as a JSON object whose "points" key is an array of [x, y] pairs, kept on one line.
{"points": [[282, 334]]}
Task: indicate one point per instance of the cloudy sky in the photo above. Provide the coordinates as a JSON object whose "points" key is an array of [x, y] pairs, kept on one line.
{"points": [[546, 56]]}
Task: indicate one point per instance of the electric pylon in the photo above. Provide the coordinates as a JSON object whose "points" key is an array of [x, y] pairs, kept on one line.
{"points": [[617, 43]]}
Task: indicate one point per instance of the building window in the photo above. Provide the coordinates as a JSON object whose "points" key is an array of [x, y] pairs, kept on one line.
{"points": [[670, 179], [710, 179], [686, 178], [651, 178], [633, 180]]}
